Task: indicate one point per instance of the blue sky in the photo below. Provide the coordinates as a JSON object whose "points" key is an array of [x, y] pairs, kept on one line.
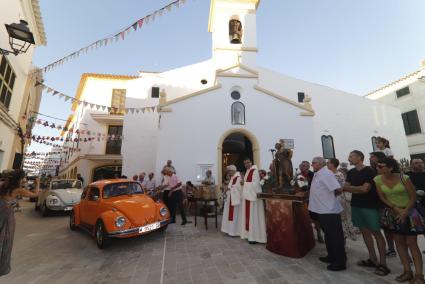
{"points": [[354, 46]]}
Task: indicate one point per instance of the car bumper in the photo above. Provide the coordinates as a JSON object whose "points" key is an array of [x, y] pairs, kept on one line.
{"points": [[60, 207], [135, 231]]}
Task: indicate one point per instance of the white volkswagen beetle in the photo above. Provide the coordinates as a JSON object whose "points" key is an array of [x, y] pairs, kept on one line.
{"points": [[61, 195]]}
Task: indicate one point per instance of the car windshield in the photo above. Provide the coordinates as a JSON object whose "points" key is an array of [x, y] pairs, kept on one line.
{"points": [[63, 184], [121, 188]]}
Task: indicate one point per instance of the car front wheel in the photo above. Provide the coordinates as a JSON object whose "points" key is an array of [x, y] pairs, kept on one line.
{"points": [[72, 225], [102, 240]]}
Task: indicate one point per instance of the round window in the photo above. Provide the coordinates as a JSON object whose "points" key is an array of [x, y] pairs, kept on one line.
{"points": [[235, 95]]}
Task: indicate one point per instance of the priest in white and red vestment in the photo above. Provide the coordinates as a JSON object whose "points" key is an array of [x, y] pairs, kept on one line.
{"points": [[230, 223], [253, 223]]}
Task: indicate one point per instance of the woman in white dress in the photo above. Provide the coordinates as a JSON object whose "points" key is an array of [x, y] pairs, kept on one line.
{"points": [[230, 223]]}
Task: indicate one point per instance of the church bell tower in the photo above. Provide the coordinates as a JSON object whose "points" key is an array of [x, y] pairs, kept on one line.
{"points": [[232, 24]]}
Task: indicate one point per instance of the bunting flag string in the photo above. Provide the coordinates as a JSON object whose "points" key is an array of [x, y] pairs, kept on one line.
{"points": [[55, 145], [38, 167], [87, 139], [94, 106], [121, 35], [42, 163], [71, 130], [35, 154]]}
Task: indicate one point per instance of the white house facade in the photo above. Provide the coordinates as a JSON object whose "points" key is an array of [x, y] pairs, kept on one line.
{"points": [[408, 95], [18, 95], [92, 146], [216, 112]]}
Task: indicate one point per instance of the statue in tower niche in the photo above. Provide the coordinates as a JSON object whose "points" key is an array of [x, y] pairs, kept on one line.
{"points": [[235, 31], [283, 165]]}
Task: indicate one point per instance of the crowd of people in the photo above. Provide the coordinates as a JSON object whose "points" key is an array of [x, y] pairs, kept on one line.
{"points": [[381, 202], [378, 202], [169, 190], [381, 199]]}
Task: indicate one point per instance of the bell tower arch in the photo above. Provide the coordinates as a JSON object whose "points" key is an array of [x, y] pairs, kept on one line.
{"points": [[232, 24]]}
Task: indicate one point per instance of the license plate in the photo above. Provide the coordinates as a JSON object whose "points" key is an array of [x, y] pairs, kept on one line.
{"points": [[69, 208], [149, 227]]}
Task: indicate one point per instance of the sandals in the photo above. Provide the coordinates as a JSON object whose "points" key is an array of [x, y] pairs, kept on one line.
{"points": [[382, 270], [406, 276], [366, 263]]}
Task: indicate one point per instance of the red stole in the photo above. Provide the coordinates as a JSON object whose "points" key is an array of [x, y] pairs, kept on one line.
{"points": [[250, 174], [247, 202], [231, 207], [247, 205]]}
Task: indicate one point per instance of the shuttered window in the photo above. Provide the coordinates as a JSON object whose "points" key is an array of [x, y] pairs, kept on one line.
{"points": [[7, 81], [402, 92], [411, 122], [118, 101]]}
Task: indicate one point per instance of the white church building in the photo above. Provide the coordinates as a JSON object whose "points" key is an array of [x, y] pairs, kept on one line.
{"points": [[216, 112]]}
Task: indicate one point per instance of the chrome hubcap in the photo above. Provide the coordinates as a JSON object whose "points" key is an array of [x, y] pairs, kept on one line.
{"points": [[99, 233]]}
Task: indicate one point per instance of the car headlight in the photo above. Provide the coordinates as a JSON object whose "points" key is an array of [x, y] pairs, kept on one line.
{"points": [[52, 199], [120, 222], [163, 211]]}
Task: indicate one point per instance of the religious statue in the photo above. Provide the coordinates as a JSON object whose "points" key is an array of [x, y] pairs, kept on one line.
{"points": [[283, 165], [235, 31]]}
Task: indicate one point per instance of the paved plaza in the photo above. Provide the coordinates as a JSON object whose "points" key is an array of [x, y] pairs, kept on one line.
{"points": [[46, 251]]}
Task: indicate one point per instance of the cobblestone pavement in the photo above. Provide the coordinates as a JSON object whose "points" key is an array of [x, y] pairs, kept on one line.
{"points": [[46, 251]]}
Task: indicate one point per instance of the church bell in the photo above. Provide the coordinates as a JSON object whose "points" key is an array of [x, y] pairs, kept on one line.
{"points": [[235, 39]]}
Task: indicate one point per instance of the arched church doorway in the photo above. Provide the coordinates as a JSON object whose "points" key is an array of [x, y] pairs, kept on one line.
{"points": [[236, 147], [233, 146]]}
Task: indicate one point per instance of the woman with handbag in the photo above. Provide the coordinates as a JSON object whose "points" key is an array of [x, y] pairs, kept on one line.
{"points": [[401, 217], [11, 187]]}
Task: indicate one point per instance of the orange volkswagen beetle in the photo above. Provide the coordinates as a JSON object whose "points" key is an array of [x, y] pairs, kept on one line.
{"points": [[117, 209]]}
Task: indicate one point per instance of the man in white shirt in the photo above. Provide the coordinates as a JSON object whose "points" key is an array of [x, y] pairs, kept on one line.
{"points": [[149, 184], [142, 177], [323, 201]]}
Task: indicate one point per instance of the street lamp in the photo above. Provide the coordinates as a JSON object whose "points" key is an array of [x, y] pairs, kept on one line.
{"points": [[20, 38]]}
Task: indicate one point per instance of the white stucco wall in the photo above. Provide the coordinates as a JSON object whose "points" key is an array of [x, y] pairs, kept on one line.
{"points": [[413, 101], [140, 131], [12, 12], [98, 91], [189, 134], [352, 120]]}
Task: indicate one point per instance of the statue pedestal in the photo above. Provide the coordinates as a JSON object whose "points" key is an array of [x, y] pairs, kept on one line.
{"points": [[289, 229]]}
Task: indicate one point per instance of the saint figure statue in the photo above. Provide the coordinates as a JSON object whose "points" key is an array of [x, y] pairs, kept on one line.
{"points": [[235, 31], [283, 164]]}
